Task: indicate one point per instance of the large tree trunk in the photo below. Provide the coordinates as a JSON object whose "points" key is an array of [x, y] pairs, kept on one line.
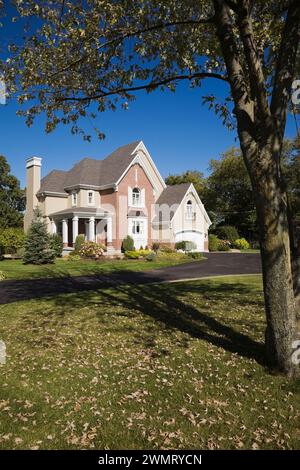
{"points": [[271, 203]]}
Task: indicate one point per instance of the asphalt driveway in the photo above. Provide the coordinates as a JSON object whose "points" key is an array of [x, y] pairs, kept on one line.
{"points": [[216, 264]]}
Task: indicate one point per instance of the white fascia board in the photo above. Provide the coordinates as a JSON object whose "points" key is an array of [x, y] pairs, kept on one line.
{"points": [[192, 189]]}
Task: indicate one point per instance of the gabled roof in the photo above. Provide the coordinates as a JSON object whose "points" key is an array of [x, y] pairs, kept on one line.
{"points": [[91, 172], [173, 194]]}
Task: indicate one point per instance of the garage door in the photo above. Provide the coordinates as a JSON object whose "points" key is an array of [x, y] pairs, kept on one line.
{"points": [[191, 236]]}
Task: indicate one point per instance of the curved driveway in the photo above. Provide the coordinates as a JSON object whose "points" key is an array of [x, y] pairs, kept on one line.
{"points": [[216, 264]]}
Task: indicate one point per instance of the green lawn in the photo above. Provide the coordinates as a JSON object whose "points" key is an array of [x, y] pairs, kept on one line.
{"points": [[177, 366], [15, 269]]}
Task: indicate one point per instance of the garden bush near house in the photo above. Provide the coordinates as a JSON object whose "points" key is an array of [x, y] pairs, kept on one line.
{"points": [[185, 245], [11, 239], [155, 246], [73, 257], [92, 250], [37, 248], [195, 255], [241, 244], [2, 276], [132, 254], [80, 240], [166, 249], [128, 244], [56, 244], [151, 257], [228, 232], [213, 242], [223, 245]]}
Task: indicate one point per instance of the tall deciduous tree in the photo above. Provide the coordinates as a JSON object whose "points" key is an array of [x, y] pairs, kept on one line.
{"points": [[12, 198], [102, 52], [191, 176]]}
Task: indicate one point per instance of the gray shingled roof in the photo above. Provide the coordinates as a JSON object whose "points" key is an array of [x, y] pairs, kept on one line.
{"points": [[173, 194], [91, 172]]}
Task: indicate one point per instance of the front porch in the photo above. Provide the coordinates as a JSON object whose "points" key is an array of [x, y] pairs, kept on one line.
{"points": [[94, 224]]}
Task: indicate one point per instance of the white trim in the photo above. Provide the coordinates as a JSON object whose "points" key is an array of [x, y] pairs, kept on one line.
{"points": [[51, 193], [192, 189], [137, 160], [74, 198], [93, 197], [33, 161]]}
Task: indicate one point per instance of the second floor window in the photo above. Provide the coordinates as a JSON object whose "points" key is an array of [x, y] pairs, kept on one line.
{"points": [[74, 199], [90, 197], [136, 197], [189, 210]]}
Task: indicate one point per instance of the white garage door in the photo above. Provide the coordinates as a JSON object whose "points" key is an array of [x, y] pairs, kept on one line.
{"points": [[190, 236]]}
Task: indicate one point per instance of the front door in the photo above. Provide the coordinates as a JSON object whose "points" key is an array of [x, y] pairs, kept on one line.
{"points": [[138, 229]]}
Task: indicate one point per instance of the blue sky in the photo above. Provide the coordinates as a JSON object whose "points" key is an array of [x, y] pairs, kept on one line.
{"points": [[179, 132]]}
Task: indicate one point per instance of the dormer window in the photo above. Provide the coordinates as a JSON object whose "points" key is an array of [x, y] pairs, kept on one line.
{"points": [[91, 198], [136, 197], [74, 198]]}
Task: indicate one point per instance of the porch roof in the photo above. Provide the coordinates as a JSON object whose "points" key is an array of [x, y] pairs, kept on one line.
{"points": [[80, 212]]}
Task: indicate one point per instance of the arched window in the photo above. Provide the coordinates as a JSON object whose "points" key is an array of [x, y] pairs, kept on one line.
{"points": [[189, 209], [136, 197]]}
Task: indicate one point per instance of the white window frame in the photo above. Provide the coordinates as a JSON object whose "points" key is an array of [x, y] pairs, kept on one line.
{"points": [[189, 213], [74, 196], [141, 223], [92, 203], [136, 201]]}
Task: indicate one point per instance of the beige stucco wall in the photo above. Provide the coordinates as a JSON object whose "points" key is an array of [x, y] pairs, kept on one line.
{"points": [[33, 181]]}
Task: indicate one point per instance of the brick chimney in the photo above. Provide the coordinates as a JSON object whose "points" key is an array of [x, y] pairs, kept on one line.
{"points": [[33, 183]]}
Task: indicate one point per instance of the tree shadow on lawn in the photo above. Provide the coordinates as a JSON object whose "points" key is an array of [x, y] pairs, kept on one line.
{"points": [[163, 304]]}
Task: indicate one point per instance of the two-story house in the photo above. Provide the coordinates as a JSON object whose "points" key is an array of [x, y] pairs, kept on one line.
{"points": [[106, 200]]}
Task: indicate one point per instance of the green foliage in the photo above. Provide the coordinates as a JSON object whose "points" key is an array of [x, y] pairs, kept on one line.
{"points": [[37, 243], [80, 239], [195, 177], [165, 248], [151, 256], [12, 198], [213, 242], [132, 254], [241, 244], [11, 239], [185, 245], [128, 244], [92, 250], [227, 232], [195, 255], [223, 245], [155, 246], [56, 244], [2, 276], [73, 257]]}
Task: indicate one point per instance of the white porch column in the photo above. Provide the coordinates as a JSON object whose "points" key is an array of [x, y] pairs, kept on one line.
{"points": [[65, 232], [92, 229], [75, 228], [53, 227], [109, 230]]}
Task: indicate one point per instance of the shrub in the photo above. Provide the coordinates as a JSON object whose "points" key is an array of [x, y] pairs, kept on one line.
{"points": [[166, 249], [180, 245], [155, 246], [128, 244], [73, 257], [195, 255], [132, 254], [80, 240], [185, 245], [151, 257], [19, 254], [2, 276], [11, 239], [213, 242], [228, 232], [37, 243], [144, 252], [223, 245], [241, 244], [91, 250], [56, 244]]}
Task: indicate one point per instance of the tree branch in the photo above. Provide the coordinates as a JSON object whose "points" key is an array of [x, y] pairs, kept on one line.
{"points": [[121, 38], [149, 86], [286, 65]]}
